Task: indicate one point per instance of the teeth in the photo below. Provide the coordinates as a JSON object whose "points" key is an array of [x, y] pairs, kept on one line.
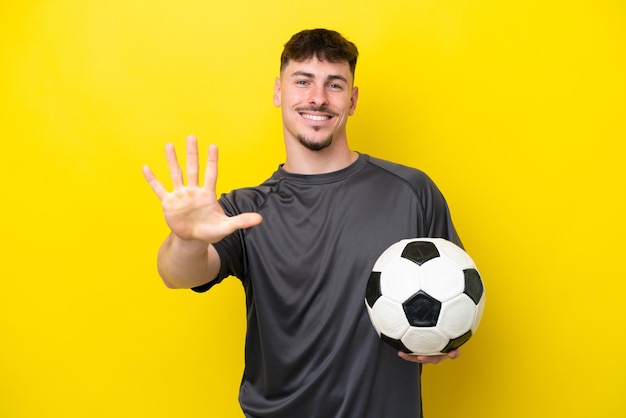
{"points": [[315, 117]]}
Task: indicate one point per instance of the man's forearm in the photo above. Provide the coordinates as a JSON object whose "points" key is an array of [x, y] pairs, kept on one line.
{"points": [[183, 264]]}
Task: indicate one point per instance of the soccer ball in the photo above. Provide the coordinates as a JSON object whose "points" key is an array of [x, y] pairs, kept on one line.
{"points": [[425, 296]]}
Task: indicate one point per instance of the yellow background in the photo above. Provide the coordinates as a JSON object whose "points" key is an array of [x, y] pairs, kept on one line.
{"points": [[515, 109]]}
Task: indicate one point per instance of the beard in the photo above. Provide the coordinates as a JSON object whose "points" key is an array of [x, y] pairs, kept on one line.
{"points": [[315, 145], [312, 144]]}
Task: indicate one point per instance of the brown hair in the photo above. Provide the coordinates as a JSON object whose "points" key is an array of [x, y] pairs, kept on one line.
{"points": [[324, 44]]}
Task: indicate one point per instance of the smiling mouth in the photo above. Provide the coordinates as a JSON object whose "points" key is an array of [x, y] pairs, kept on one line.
{"points": [[316, 118]]}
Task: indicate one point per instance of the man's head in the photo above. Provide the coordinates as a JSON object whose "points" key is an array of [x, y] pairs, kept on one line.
{"points": [[323, 44], [316, 88]]}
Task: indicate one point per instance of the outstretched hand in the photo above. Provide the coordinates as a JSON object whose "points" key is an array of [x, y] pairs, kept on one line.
{"points": [[191, 211]]}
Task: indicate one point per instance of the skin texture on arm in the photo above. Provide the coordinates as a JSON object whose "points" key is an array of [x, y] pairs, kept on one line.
{"points": [[196, 220], [183, 264]]}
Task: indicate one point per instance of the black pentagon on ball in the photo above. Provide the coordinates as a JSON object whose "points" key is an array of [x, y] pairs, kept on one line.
{"points": [[455, 343], [420, 252], [473, 285], [397, 344], [372, 291], [422, 310]]}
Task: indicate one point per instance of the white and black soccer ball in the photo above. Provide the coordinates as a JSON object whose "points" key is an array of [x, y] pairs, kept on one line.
{"points": [[425, 296]]}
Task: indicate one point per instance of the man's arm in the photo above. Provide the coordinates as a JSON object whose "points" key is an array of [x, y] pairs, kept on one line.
{"points": [[186, 258], [183, 264]]}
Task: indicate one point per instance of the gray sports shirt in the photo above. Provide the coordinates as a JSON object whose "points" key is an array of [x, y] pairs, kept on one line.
{"points": [[310, 348]]}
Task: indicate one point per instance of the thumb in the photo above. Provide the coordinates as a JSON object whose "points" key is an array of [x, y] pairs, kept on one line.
{"points": [[246, 220]]}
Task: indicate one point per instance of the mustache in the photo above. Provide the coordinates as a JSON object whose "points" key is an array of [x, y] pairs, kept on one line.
{"points": [[320, 109]]}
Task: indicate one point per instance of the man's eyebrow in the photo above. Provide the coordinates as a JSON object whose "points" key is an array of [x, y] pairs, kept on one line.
{"points": [[302, 74], [311, 75], [336, 77]]}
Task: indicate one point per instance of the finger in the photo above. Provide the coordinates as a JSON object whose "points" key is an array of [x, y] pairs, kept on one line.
{"points": [[421, 358], [429, 359], [241, 221], [408, 357], [172, 162], [156, 185], [454, 354], [192, 161], [210, 174], [245, 220]]}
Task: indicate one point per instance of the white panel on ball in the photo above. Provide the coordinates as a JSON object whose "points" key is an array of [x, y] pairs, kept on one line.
{"points": [[425, 341], [400, 278], [454, 319], [390, 318], [454, 253], [442, 279]]}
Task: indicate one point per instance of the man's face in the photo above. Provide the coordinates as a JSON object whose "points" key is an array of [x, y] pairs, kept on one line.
{"points": [[316, 98]]}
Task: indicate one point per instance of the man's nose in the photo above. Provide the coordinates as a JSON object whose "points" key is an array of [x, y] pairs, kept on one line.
{"points": [[318, 96]]}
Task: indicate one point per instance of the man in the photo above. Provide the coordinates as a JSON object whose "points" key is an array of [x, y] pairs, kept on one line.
{"points": [[303, 244]]}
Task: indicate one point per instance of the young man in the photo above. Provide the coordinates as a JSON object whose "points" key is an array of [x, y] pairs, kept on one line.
{"points": [[303, 244]]}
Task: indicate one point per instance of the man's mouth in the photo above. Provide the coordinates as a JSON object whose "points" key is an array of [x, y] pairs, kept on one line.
{"points": [[316, 118]]}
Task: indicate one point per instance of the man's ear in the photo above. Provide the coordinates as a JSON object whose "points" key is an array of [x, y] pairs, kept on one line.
{"points": [[277, 92], [353, 99]]}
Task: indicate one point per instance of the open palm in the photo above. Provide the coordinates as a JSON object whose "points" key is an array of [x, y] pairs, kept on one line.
{"points": [[191, 211]]}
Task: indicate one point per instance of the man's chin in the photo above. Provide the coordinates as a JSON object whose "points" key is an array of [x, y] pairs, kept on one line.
{"points": [[315, 144]]}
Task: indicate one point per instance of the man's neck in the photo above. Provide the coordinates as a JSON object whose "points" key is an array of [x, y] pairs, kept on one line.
{"points": [[301, 160]]}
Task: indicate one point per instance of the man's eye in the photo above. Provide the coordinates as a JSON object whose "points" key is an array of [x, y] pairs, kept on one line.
{"points": [[302, 82], [335, 86]]}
